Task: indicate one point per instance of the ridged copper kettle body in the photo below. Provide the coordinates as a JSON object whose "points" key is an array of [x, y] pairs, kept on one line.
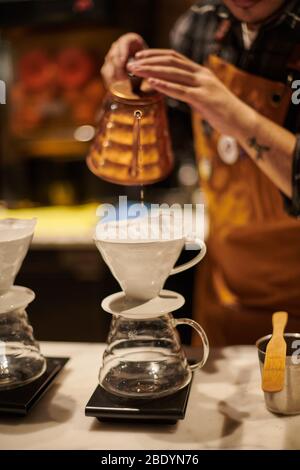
{"points": [[132, 145]]}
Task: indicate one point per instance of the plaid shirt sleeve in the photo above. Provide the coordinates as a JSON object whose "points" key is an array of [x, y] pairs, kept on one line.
{"points": [[193, 32], [182, 34], [182, 37]]}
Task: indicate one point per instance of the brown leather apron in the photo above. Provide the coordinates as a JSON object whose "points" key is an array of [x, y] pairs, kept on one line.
{"points": [[253, 262]]}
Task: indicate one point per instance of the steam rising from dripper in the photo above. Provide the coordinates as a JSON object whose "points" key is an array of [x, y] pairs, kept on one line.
{"points": [[15, 238]]}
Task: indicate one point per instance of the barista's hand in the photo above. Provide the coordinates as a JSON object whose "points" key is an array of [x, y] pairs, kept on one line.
{"points": [[114, 67], [178, 77]]}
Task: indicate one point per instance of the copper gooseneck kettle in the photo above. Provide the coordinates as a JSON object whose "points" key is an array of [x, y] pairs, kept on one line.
{"points": [[132, 145]]}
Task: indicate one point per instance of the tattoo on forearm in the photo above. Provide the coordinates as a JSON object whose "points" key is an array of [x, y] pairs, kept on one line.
{"points": [[260, 149]]}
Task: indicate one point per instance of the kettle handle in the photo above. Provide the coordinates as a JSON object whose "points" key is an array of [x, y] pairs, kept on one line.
{"points": [[204, 339]]}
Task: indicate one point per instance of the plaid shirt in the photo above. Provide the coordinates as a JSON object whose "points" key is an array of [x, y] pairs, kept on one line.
{"points": [[198, 33]]}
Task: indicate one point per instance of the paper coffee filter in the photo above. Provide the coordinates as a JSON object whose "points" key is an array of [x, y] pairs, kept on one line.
{"points": [[15, 229]]}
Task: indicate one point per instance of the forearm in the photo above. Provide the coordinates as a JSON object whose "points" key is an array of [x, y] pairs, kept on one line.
{"points": [[269, 145]]}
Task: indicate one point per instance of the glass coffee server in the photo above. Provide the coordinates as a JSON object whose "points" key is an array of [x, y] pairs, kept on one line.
{"points": [[20, 359]]}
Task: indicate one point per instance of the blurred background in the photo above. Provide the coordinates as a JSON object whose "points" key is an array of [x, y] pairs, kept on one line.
{"points": [[51, 52]]}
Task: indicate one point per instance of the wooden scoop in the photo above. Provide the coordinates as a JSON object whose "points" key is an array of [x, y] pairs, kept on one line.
{"points": [[274, 366]]}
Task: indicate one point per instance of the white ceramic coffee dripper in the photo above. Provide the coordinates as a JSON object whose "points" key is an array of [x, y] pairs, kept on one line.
{"points": [[15, 238], [141, 266]]}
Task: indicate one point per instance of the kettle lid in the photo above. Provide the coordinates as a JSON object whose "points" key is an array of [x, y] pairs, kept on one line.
{"points": [[122, 89]]}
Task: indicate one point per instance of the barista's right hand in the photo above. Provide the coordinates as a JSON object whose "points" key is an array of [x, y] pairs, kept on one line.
{"points": [[114, 67]]}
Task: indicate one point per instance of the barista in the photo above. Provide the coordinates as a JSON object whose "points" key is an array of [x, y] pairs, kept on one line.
{"points": [[234, 65]]}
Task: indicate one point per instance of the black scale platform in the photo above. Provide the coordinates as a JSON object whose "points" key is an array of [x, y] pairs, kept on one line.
{"points": [[166, 410], [20, 400]]}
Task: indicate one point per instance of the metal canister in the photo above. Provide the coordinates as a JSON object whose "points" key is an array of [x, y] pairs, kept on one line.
{"points": [[287, 401]]}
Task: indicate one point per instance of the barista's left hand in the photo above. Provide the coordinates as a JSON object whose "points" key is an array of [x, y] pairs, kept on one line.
{"points": [[176, 76]]}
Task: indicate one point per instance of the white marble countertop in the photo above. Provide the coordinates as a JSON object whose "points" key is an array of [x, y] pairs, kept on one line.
{"points": [[225, 411]]}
